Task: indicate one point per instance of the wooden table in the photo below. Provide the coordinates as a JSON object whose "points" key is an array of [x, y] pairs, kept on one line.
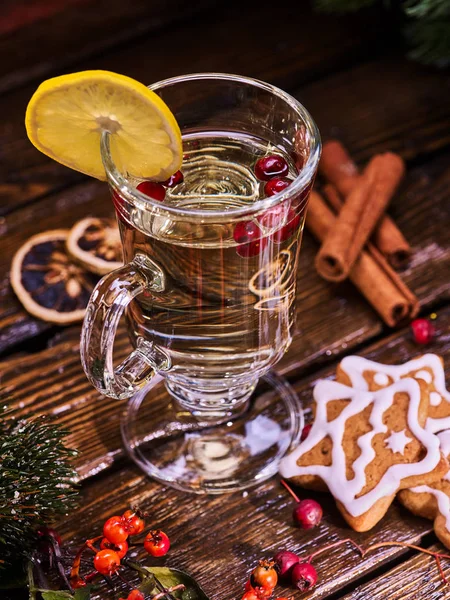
{"points": [[352, 76]]}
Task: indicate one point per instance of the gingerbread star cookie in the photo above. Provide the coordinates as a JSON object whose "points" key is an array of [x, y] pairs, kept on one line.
{"points": [[365, 446], [432, 501], [369, 375]]}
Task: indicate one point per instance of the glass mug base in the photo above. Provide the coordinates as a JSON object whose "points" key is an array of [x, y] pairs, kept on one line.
{"points": [[177, 449]]}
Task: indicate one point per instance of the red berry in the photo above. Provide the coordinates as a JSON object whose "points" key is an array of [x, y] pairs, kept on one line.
{"points": [[273, 217], [250, 595], [135, 595], [304, 576], [121, 548], [270, 166], [264, 576], [174, 180], [307, 514], [275, 186], [288, 230], [305, 432], [251, 249], [423, 331], [285, 562], [153, 189], [106, 562], [114, 530], [134, 524], [246, 231], [157, 543]]}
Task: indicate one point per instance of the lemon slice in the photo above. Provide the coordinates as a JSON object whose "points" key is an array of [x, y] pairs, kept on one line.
{"points": [[67, 115]]}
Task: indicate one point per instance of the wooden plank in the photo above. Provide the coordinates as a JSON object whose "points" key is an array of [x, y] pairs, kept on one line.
{"points": [[53, 382], [38, 38], [325, 323], [283, 57], [219, 540], [388, 103], [413, 579], [258, 523]]}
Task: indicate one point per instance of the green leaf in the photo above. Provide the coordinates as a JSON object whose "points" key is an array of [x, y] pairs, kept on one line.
{"points": [[83, 593], [172, 577], [50, 595]]}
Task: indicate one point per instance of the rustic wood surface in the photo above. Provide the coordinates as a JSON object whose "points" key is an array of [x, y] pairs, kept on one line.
{"points": [[358, 87]]}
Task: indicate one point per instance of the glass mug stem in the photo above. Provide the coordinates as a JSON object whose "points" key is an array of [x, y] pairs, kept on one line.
{"points": [[111, 296]]}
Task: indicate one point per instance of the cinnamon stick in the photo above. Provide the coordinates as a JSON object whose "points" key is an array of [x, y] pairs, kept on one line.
{"points": [[339, 169], [371, 273], [362, 210]]}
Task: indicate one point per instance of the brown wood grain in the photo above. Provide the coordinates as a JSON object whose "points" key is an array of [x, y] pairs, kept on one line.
{"points": [[38, 38], [325, 323], [220, 539], [283, 57], [53, 382], [413, 579], [384, 104], [217, 539]]}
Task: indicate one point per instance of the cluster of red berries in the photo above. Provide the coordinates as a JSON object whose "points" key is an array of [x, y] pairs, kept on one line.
{"points": [[302, 575], [248, 234], [114, 545], [286, 568], [157, 190]]}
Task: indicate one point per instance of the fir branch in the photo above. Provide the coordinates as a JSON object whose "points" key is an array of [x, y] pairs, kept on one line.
{"points": [[36, 481]]}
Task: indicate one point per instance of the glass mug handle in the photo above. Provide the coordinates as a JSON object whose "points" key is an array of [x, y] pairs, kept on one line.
{"points": [[111, 296]]}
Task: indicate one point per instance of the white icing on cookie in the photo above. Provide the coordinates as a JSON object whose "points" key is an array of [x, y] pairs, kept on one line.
{"points": [[355, 366], [381, 379], [435, 399], [344, 490], [442, 499], [397, 441], [425, 375], [444, 440]]}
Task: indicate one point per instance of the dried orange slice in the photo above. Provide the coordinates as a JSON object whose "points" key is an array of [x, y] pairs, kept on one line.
{"points": [[95, 243], [47, 280]]}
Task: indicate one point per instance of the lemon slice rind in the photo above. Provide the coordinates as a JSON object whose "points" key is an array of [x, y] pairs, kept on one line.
{"points": [[67, 116]]}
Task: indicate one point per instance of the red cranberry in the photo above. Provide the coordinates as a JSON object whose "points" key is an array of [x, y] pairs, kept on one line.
{"points": [[173, 180], [305, 432], [275, 186], [252, 248], [274, 216], [153, 190], [423, 331], [285, 562], [246, 231], [271, 166], [286, 232], [304, 576], [307, 514]]}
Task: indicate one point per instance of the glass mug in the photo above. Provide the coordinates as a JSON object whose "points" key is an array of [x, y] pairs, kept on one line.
{"points": [[208, 286]]}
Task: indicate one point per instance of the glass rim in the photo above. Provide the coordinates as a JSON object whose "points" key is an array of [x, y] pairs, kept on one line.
{"points": [[142, 201]]}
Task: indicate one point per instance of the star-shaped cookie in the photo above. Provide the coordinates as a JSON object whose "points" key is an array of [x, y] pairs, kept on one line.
{"points": [[432, 501], [353, 448], [365, 374]]}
